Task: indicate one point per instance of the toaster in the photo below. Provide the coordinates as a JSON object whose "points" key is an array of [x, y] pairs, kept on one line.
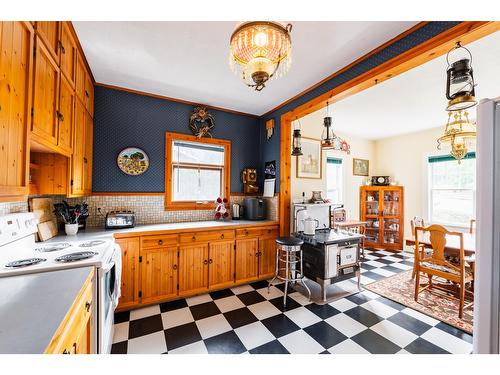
{"points": [[120, 219]]}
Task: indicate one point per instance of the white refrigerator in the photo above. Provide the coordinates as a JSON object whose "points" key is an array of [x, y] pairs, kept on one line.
{"points": [[487, 283]]}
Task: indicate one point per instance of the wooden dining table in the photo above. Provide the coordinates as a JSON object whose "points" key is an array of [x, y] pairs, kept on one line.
{"points": [[452, 247]]}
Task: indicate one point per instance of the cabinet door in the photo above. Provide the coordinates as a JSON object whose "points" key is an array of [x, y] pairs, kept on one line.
{"points": [[68, 51], [80, 77], [77, 168], [247, 259], [267, 256], [84, 343], [221, 264], [130, 272], [45, 95], [16, 43], [66, 117], [158, 273], [89, 94], [87, 154], [48, 31], [193, 268]]}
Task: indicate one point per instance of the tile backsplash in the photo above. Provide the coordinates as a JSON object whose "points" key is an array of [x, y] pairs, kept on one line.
{"points": [[148, 209]]}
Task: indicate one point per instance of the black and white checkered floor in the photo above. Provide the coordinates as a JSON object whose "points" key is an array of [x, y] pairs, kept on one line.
{"points": [[246, 319]]}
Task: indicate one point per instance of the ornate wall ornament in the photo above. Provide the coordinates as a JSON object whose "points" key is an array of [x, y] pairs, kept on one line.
{"points": [[201, 122]]}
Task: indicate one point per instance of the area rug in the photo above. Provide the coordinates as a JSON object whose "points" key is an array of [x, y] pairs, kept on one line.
{"points": [[401, 288]]}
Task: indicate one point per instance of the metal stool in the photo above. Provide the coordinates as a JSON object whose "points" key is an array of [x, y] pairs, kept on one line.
{"points": [[289, 253]]}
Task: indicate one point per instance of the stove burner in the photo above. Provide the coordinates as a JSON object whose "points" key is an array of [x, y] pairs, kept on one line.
{"points": [[24, 262], [53, 247], [92, 243], [73, 257]]}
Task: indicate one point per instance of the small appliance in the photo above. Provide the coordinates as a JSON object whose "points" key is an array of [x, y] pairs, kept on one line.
{"points": [[237, 211], [310, 225], [254, 208], [120, 219]]}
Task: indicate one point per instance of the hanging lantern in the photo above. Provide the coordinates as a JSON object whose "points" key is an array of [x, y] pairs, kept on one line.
{"points": [[459, 134], [260, 51], [460, 80], [329, 140], [297, 139]]}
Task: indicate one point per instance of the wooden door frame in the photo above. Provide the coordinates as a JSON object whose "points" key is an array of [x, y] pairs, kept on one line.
{"points": [[465, 32]]}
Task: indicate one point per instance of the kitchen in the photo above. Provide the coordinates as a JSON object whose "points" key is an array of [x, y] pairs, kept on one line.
{"points": [[165, 223]]}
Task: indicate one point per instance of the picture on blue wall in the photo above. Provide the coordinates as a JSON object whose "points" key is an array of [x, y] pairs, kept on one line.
{"points": [[133, 161]]}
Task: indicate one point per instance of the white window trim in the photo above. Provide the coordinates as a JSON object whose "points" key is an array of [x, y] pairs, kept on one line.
{"points": [[343, 185]]}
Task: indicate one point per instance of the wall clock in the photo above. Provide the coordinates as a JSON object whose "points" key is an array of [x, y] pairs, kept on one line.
{"points": [[133, 161]]}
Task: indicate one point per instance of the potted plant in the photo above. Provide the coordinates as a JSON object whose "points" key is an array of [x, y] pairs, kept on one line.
{"points": [[70, 215]]}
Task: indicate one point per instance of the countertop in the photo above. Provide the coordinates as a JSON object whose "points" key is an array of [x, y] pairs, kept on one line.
{"points": [[33, 306], [107, 234]]}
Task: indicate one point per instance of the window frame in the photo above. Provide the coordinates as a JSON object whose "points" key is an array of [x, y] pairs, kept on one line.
{"points": [[340, 162], [429, 188], [171, 205]]}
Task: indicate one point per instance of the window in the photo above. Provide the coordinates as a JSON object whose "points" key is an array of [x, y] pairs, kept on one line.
{"points": [[196, 171], [452, 189], [334, 179]]}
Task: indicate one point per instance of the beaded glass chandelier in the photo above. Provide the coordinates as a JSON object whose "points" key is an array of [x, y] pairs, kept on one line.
{"points": [[260, 51], [459, 134]]}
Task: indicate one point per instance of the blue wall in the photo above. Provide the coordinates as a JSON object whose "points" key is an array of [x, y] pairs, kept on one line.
{"points": [[124, 119], [271, 149]]}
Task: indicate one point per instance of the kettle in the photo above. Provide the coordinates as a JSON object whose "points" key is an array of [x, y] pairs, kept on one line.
{"points": [[237, 211], [310, 226]]}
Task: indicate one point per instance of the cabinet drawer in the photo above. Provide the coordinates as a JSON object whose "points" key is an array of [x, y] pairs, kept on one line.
{"points": [[158, 241], [270, 232], [207, 236]]}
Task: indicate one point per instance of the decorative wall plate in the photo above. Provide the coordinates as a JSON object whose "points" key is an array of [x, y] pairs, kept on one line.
{"points": [[133, 161]]}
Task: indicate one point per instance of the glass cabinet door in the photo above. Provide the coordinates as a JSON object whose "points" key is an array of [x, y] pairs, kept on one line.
{"points": [[372, 203], [392, 202], [372, 230], [391, 231]]}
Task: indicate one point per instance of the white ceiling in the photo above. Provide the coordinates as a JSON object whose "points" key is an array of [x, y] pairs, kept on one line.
{"points": [[414, 100], [189, 60]]}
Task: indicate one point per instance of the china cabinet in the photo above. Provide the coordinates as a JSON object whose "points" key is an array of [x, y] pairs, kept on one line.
{"points": [[382, 208]]}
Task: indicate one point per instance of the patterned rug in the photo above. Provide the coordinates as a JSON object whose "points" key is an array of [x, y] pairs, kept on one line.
{"points": [[441, 306]]}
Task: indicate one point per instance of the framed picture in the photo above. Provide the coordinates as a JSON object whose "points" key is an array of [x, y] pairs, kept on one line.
{"points": [[309, 163], [360, 167]]}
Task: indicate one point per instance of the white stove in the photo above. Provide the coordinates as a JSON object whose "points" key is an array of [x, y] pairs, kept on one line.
{"points": [[20, 254]]}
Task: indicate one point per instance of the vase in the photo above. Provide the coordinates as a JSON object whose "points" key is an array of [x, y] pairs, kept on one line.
{"points": [[71, 229]]}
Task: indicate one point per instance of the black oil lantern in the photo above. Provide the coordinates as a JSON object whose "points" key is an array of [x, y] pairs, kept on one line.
{"points": [[327, 137], [460, 80], [297, 139]]}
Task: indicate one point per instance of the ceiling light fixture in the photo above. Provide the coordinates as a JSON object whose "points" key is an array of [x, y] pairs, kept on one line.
{"points": [[260, 51], [329, 140], [460, 80], [459, 134]]}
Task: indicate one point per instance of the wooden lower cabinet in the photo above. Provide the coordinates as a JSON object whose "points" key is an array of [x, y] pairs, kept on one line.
{"points": [[247, 260], [130, 272], [162, 267], [159, 273], [221, 264], [74, 335], [193, 268]]}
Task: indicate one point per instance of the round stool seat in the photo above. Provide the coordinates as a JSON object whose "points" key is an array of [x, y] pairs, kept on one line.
{"points": [[289, 241]]}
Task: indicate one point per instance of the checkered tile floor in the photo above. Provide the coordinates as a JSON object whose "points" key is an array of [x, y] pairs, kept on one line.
{"points": [[246, 319]]}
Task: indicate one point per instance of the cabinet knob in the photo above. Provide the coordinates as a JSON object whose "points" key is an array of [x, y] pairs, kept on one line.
{"points": [[222, 235], [246, 233], [86, 93], [66, 351], [60, 116], [205, 262], [88, 304], [193, 238], [210, 261], [61, 47], [160, 242], [85, 160], [175, 266]]}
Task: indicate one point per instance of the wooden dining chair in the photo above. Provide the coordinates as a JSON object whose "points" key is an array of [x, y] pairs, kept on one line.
{"points": [[435, 263], [472, 226], [417, 221]]}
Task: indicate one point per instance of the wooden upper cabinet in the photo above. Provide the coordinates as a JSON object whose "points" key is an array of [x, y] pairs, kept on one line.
{"points": [[193, 268], [130, 272], [247, 259], [87, 154], [68, 51], [49, 31], [80, 77], [45, 95], [159, 278], [77, 169], [221, 264], [16, 57], [89, 94], [66, 117]]}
